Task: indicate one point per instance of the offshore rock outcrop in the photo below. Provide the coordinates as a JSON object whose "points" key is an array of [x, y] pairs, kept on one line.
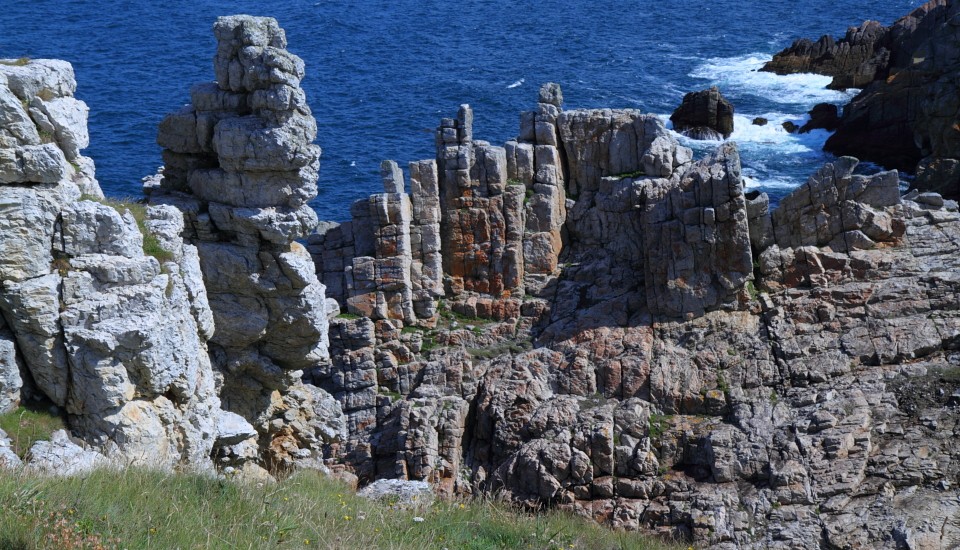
{"points": [[866, 53], [240, 162], [113, 337], [705, 115], [906, 115]]}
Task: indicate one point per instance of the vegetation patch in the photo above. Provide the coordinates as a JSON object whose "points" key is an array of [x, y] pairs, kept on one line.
{"points": [[145, 509], [28, 424], [19, 62], [151, 244], [627, 175], [658, 425], [350, 316]]}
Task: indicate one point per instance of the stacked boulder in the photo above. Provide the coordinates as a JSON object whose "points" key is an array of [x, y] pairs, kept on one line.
{"points": [[241, 163], [104, 313]]}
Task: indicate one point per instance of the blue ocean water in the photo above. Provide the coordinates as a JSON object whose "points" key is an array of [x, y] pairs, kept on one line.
{"points": [[381, 73]]}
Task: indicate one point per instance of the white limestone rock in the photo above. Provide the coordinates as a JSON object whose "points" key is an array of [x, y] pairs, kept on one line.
{"points": [[10, 368], [405, 494], [16, 127], [47, 78], [8, 459], [68, 120], [32, 164], [232, 429], [32, 308], [63, 456], [93, 228]]}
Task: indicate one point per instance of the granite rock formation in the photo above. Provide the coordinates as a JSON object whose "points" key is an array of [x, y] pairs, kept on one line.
{"points": [[705, 115], [587, 317], [694, 364], [241, 165], [112, 336], [866, 53]]}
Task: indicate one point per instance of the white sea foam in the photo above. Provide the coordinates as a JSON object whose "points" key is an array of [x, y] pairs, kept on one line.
{"points": [[742, 75], [516, 84]]}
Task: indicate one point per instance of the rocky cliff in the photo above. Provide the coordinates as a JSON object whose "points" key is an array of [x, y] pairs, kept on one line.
{"points": [[104, 312], [586, 317]]}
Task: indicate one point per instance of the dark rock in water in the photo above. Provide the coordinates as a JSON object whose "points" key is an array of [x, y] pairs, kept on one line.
{"points": [[854, 61], [823, 116], [760, 121], [911, 116], [868, 53], [704, 115], [790, 127]]}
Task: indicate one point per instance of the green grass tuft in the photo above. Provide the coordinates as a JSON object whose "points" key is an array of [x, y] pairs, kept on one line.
{"points": [[634, 174], [145, 509], [151, 244], [28, 424]]}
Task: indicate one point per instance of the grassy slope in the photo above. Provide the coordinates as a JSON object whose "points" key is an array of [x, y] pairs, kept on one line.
{"points": [[145, 509]]}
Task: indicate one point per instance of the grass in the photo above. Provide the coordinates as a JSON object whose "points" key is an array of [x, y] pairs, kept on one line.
{"points": [[634, 174], [151, 244], [752, 291], [28, 424], [658, 425], [144, 509], [350, 316], [19, 62]]}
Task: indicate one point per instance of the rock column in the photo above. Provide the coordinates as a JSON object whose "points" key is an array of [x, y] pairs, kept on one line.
{"points": [[482, 221], [241, 163], [536, 162]]}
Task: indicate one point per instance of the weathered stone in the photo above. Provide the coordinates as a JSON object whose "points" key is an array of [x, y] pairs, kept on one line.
{"points": [[704, 115]]}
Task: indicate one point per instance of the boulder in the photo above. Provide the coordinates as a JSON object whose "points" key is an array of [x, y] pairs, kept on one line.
{"points": [[705, 115], [823, 116]]}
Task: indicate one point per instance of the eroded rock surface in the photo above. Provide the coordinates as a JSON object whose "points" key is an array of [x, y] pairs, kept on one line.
{"points": [[693, 364], [241, 164], [91, 322]]}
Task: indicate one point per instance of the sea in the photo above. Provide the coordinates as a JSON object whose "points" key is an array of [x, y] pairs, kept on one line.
{"points": [[382, 73]]}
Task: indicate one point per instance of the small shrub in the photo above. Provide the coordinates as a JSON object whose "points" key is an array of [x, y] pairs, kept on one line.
{"points": [[658, 425], [752, 291]]}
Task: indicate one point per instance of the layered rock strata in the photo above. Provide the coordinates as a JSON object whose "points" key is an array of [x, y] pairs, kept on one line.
{"points": [[110, 335], [240, 162]]}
